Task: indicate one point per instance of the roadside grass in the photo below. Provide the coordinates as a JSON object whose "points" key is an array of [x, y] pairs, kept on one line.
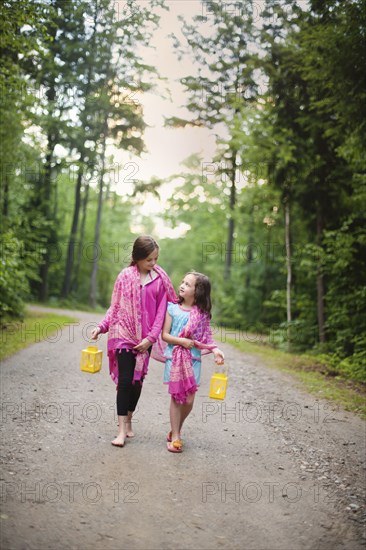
{"points": [[313, 373], [59, 303], [35, 327]]}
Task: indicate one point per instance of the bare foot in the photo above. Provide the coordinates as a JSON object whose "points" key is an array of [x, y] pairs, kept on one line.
{"points": [[119, 441], [129, 432]]}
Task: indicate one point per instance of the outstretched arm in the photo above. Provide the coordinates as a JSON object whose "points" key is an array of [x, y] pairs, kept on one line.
{"points": [[219, 356]]}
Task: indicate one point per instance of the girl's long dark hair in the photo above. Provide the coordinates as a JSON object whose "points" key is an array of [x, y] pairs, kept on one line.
{"points": [[142, 248], [202, 292]]}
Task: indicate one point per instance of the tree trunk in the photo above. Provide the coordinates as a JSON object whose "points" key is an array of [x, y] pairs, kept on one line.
{"points": [[250, 249], [231, 227], [266, 262], [74, 228], [93, 279], [81, 148], [5, 208], [289, 270], [46, 182], [249, 260], [75, 281], [46, 209], [320, 281]]}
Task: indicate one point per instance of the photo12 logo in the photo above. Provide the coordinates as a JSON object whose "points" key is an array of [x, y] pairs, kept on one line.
{"points": [[71, 412], [125, 10], [253, 492], [68, 492], [217, 8]]}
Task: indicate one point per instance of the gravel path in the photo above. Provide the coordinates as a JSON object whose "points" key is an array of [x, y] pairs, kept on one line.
{"points": [[269, 468]]}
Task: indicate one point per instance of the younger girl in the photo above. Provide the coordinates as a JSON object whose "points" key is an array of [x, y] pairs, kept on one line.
{"points": [[187, 331], [134, 322]]}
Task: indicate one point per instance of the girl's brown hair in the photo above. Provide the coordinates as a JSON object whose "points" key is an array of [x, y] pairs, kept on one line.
{"points": [[202, 292], [142, 248]]}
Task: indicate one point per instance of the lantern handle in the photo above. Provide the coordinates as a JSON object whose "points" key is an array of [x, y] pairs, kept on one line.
{"points": [[226, 370]]}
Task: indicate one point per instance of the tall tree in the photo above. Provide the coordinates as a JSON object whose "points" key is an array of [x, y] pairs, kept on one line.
{"points": [[219, 42], [17, 45], [18, 160], [52, 74], [311, 81], [332, 44], [114, 72]]}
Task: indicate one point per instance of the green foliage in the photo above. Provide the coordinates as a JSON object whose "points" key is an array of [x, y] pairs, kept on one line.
{"points": [[298, 142], [290, 96], [346, 296], [14, 285], [352, 367], [69, 75], [33, 328], [316, 374]]}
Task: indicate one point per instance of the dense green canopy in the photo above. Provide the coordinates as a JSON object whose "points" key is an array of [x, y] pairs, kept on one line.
{"points": [[276, 218]]}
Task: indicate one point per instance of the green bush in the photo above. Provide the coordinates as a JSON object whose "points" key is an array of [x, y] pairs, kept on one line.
{"points": [[14, 285]]}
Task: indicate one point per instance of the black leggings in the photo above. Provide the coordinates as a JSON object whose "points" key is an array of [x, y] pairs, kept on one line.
{"points": [[128, 393]]}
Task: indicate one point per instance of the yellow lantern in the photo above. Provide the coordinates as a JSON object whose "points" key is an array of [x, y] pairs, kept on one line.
{"points": [[91, 359], [218, 385]]}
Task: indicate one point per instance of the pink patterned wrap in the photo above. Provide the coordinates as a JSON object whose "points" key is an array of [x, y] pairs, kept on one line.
{"points": [[124, 318], [182, 380]]}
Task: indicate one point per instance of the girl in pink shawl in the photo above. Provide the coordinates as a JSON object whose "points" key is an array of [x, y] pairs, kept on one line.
{"points": [[134, 322], [187, 332]]}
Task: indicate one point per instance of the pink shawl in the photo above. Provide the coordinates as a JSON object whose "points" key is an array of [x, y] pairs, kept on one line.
{"points": [[182, 380], [129, 325]]}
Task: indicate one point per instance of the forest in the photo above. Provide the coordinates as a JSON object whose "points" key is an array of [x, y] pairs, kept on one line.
{"points": [[276, 218]]}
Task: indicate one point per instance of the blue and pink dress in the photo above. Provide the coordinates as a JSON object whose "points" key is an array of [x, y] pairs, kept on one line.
{"points": [[180, 318]]}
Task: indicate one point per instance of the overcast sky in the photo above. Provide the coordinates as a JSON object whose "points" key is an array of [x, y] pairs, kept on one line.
{"points": [[167, 148]]}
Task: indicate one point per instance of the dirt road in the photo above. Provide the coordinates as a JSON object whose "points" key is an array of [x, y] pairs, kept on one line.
{"points": [[269, 468]]}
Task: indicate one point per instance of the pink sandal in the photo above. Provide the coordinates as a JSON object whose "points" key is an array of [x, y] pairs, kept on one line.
{"points": [[169, 437]]}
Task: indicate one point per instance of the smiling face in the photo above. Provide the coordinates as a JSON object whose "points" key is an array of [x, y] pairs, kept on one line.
{"points": [[187, 289], [148, 263]]}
